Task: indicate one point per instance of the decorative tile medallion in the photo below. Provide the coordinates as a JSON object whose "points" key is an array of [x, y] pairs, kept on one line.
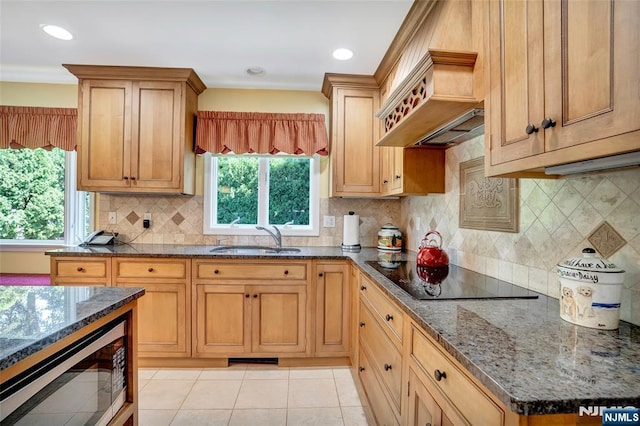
{"points": [[606, 240], [133, 218], [177, 218], [487, 203]]}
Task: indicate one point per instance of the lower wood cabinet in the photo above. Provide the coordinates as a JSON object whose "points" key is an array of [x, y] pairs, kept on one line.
{"points": [[164, 329], [250, 309], [333, 309], [80, 271], [379, 403], [423, 409], [232, 320]]}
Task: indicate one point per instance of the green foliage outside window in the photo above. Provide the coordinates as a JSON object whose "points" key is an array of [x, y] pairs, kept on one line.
{"points": [[32, 194], [289, 183]]}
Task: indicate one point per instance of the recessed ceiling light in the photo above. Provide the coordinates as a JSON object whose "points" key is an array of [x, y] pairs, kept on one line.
{"points": [[255, 71], [342, 54], [57, 32]]}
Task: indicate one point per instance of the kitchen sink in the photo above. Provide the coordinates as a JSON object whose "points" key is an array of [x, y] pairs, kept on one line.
{"points": [[253, 250]]}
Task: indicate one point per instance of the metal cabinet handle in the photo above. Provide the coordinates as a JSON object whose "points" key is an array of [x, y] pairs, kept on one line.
{"points": [[548, 122], [150, 269], [321, 274], [255, 296], [126, 178], [387, 367], [389, 317], [133, 178], [80, 269], [362, 324], [531, 129], [398, 177], [385, 182], [439, 375], [246, 295], [216, 271], [361, 369], [363, 288], [286, 272]]}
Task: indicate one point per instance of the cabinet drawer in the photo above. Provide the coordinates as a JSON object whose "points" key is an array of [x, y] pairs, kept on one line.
{"points": [[375, 394], [384, 356], [151, 268], [462, 392], [80, 269], [259, 271], [384, 309]]}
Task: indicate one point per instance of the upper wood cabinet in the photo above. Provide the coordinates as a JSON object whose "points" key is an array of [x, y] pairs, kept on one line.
{"points": [[412, 171], [354, 132], [136, 128], [563, 81]]}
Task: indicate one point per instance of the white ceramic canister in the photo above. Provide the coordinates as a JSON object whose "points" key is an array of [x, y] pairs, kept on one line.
{"points": [[389, 238], [590, 291]]}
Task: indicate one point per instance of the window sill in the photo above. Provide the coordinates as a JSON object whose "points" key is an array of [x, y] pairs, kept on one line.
{"points": [[29, 247]]}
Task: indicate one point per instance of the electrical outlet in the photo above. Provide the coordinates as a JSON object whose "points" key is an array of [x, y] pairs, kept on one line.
{"points": [[146, 216], [329, 221], [113, 218]]}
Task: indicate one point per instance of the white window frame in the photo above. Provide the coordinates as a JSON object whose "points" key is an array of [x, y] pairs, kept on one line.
{"points": [[74, 214], [210, 227]]}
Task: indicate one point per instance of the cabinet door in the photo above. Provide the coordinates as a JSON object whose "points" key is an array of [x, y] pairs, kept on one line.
{"points": [[423, 409], [356, 159], [278, 318], [222, 319], [332, 309], [397, 170], [163, 328], [387, 154], [104, 148], [592, 72], [516, 82], [156, 137]]}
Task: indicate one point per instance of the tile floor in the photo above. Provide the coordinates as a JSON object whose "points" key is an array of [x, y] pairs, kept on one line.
{"points": [[249, 395]]}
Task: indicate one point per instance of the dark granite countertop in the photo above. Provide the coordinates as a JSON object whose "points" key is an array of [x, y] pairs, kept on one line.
{"points": [[32, 318], [521, 350]]}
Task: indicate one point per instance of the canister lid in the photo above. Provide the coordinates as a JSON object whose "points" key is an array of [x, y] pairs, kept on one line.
{"points": [[390, 226], [590, 262]]}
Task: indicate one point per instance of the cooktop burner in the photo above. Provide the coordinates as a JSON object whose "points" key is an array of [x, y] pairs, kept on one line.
{"points": [[448, 283]]}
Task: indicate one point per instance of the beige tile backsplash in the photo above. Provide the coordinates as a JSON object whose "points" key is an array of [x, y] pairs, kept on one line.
{"points": [[556, 218]]}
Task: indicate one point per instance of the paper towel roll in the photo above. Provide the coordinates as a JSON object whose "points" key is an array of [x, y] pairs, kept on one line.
{"points": [[351, 230]]}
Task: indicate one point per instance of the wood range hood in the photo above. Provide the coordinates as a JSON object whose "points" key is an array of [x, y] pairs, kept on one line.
{"points": [[432, 75]]}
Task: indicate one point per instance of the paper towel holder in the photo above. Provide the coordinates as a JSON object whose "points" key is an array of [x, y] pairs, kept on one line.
{"points": [[350, 247]]}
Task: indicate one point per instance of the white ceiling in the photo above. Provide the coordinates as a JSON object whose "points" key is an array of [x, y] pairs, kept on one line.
{"points": [[291, 39]]}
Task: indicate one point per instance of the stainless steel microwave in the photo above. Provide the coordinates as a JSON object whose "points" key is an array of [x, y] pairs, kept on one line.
{"points": [[84, 384]]}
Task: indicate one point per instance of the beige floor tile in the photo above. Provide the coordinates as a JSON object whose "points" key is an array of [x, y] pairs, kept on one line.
{"points": [[347, 393], [212, 394], [311, 373], [342, 373], [266, 374], [164, 394], [354, 416], [146, 373], [156, 417], [263, 394], [259, 416], [177, 374], [202, 418], [312, 393], [222, 374], [142, 383], [314, 417]]}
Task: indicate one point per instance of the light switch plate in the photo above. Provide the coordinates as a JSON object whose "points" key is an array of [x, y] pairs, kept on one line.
{"points": [[329, 221]]}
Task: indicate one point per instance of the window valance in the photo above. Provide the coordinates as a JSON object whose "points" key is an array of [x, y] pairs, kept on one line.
{"points": [[221, 132], [37, 127]]}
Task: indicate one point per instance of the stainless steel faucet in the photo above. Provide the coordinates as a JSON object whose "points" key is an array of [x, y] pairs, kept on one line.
{"points": [[277, 236]]}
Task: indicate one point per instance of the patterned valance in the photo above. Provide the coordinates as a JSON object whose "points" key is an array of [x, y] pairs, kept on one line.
{"points": [[261, 133], [36, 127]]}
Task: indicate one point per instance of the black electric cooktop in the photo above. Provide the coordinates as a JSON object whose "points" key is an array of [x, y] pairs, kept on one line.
{"points": [[448, 283]]}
